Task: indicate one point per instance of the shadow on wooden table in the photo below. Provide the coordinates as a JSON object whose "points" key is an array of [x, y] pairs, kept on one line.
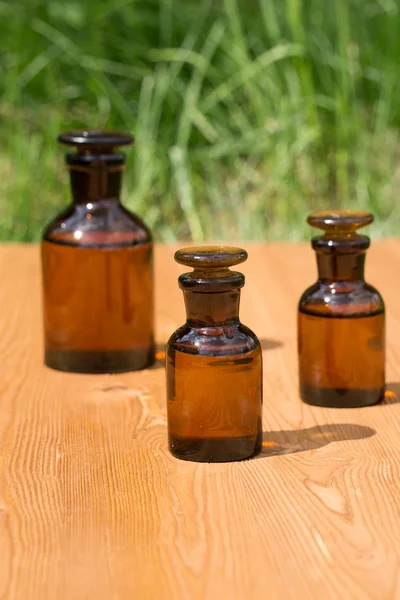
{"points": [[301, 440], [392, 394], [266, 344]]}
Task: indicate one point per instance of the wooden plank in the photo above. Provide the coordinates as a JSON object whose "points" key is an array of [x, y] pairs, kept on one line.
{"points": [[93, 506]]}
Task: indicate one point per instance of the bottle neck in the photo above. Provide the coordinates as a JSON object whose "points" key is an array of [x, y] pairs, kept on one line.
{"points": [[340, 267], [211, 309], [95, 181]]}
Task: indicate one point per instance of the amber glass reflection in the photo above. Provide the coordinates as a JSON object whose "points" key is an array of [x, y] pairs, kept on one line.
{"points": [[97, 269], [214, 364], [341, 319]]}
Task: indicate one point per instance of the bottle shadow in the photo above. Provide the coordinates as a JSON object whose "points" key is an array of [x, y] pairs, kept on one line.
{"points": [[276, 443], [392, 394], [266, 344]]}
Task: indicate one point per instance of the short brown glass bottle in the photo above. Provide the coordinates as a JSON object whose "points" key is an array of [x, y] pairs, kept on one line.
{"points": [[341, 319], [214, 364], [97, 267]]}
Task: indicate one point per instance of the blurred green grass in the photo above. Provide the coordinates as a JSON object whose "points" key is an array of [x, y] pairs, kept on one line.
{"points": [[247, 113]]}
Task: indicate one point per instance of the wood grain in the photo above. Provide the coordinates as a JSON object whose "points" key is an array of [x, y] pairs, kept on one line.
{"points": [[92, 506]]}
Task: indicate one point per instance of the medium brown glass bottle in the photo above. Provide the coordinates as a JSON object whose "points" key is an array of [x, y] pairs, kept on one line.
{"points": [[214, 364], [97, 267], [341, 319]]}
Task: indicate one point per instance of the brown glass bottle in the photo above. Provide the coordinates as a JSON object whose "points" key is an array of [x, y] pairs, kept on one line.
{"points": [[341, 319], [214, 364], [97, 267]]}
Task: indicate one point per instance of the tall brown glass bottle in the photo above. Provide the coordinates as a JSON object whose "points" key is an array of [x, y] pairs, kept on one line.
{"points": [[214, 364], [97, 267], [341, 319]]}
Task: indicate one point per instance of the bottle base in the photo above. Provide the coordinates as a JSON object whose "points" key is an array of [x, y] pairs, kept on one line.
{"points": [[98, 362], [341, 397], [215, 449]]}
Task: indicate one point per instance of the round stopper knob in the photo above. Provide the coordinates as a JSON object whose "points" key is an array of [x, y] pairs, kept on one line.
{"points": [[340, 221], [95, 138], [210, 257]]}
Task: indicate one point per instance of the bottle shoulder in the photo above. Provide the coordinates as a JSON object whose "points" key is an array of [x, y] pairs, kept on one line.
{"points": [[341, 298], [214, 341], [98, 223]]}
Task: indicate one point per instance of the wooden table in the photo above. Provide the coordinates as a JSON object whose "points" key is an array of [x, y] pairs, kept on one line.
{"points": [[92, 505]]}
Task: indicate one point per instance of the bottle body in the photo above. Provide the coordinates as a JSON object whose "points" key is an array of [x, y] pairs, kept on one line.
{"points": [[341, 345], [214, 382], [98, 302], [214, 393]]}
